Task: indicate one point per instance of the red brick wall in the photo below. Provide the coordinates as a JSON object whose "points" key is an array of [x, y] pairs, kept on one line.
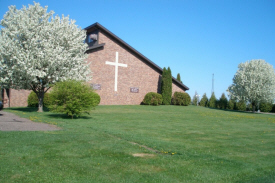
{"points": [[136, 74], [175, 88], [19, 98]]}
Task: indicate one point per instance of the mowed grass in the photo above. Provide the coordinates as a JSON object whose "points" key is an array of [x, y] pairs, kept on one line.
{"points": [[186, 144]]}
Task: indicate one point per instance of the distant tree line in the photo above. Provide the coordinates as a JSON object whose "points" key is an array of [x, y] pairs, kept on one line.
{"points": [[231, 104]]}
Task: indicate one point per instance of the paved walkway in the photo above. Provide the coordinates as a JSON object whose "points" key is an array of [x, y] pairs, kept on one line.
{"points": [[11, 122]]}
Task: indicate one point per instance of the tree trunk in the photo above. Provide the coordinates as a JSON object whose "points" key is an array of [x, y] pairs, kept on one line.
{"points": [[40, 101], [253, 106]]}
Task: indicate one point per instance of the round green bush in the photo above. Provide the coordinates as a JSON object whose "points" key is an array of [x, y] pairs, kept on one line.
{"points": [[180, 98], [152, 98], [33, 100], [96, 98], [73, 98], [265, 107]]}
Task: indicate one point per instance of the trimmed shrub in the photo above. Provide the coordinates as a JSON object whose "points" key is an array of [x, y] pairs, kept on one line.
{"points": [[33, 100], [152, 98], [73, 98], [180, 98], [265, 107], [241, 106]]}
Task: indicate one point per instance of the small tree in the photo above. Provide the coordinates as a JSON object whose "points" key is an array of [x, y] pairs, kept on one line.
{"points": [[213, 101], [231, 104], [266, 107], [73, 98], [166, 86], [241, 106], [178, 78], [223, 102], [195, 99], [204, 100], [38, 49], [253, 82]]}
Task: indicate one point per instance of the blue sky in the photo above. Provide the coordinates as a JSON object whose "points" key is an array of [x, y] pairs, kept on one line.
{"points": [[196, 38]]}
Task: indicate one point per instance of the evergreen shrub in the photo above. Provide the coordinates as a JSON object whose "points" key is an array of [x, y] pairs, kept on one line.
{"points": [[180, 98], [166, 86], [152, 98], [265, 107], [241, 106], [231, 104], [204, 101], [33, 100], [178, 78], [212, 101], [222, 103], [195, 100]]}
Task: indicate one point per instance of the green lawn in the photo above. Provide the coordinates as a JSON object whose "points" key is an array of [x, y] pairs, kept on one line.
{"points": [[186, 144]]}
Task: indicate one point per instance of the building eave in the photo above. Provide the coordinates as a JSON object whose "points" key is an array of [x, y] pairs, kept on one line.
{"points": [[148, 61]]}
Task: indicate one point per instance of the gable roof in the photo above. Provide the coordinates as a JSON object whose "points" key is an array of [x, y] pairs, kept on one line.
{"points": [[146, 60]]}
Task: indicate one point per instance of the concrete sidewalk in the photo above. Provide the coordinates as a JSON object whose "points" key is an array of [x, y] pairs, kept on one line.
{"points": [[11, 122]]}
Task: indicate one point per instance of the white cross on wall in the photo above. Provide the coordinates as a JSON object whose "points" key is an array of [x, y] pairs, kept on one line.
{"points": [[116, 64]]}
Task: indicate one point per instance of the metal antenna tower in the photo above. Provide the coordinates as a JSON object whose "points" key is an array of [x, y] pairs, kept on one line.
{"points": [[212, 83]]}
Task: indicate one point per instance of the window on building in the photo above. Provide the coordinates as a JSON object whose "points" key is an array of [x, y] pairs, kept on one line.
{"points": [[92, 38]]}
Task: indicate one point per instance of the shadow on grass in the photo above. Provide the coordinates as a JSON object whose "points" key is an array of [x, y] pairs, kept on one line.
{"points": [[229, 110], [64, 116], [26, 109], [46, 110]]}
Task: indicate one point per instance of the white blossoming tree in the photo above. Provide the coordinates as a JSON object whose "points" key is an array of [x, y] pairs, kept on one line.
{"points": [[254, 82], [38, 49]]}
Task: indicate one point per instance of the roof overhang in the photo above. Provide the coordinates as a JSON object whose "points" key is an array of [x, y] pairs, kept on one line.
{"points": [[134, 51]]}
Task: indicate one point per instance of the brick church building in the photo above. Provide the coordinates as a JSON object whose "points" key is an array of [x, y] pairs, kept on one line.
{"points": [[120, 74]]}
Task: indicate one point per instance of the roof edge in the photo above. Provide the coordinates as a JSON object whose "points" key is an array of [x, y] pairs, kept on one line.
{"points": [[98, 25]]}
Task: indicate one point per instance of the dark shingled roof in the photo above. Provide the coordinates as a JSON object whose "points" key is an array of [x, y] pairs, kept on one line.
{"points": [[146, 60]]}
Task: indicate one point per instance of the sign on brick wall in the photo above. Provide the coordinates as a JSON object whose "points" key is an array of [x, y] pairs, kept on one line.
{"points": [[96, 86], [134, 89]]}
